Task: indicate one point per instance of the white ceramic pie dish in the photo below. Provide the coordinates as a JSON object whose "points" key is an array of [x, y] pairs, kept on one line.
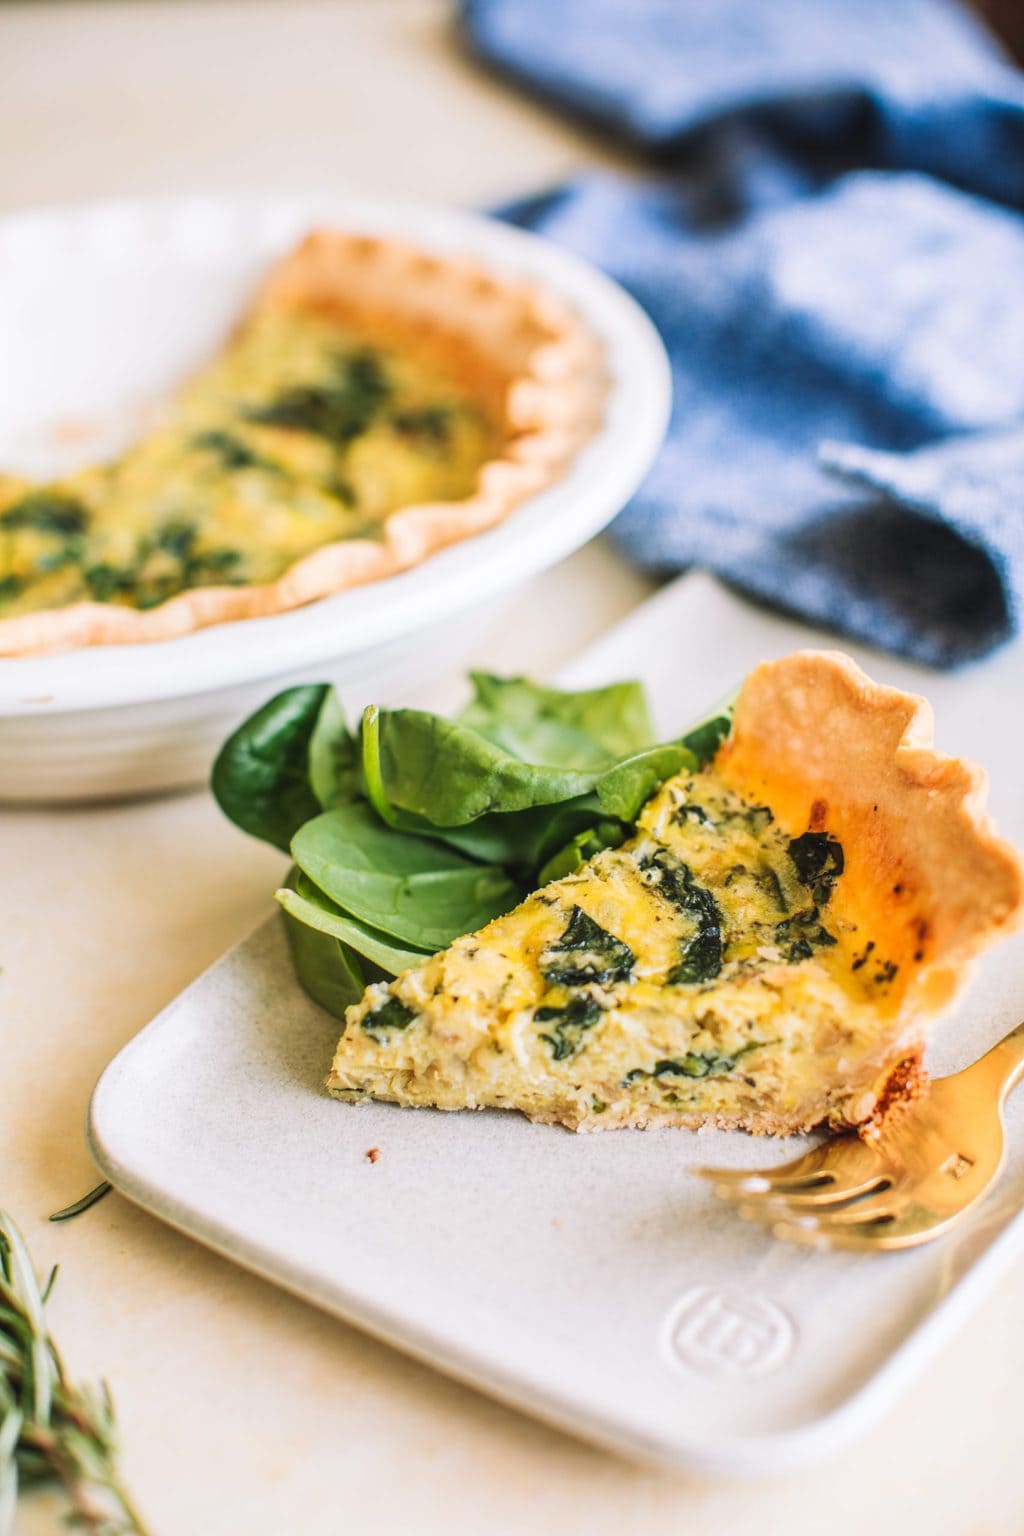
{"points": [[103, 308]]}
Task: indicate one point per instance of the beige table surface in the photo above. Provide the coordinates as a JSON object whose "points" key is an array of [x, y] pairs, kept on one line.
{"points": [[243, 1410]]}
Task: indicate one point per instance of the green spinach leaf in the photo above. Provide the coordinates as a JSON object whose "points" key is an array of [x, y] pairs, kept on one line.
{"points": [[305, 902], [520, 840], [451, 775], [570, 1022], [261, 775], [702, 953], [47, 512], [586, 954], [409, 887], [705, 738], [340, 409], [561, 729], [819, 861], [695, 1063], [326, 968], [593, 839], [391, 1014], [625, 789], [463, 818], [333, 756]]}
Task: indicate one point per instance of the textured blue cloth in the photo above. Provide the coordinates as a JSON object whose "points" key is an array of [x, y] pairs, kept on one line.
{"points": [[830, 239]]}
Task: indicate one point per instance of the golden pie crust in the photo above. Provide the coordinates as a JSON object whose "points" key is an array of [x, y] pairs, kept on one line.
{"points": [[514, 344], [828, 748]]}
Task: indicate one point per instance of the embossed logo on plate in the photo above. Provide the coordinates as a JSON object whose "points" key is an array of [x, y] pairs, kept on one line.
{"points": [[728, 1333]]}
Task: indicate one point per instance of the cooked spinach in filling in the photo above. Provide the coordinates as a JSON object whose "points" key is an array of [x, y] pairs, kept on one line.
{"points": [[299, 435], [392, 1014], [586, 952], [567, 1024], [732, 896]]}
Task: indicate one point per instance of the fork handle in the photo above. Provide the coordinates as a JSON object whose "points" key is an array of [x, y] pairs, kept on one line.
{"points": [[1003, 1065]]}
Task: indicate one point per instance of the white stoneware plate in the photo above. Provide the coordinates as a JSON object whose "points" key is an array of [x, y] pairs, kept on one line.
{"points": [[104, 307], [587, 1279]]}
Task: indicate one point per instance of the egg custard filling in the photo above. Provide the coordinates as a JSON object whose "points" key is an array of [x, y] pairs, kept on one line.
{"points": [[302, 433], [761, 954]]}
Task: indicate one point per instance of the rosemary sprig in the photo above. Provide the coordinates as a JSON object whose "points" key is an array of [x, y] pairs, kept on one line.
{"points": [[78, 1206], [51, 1430]]}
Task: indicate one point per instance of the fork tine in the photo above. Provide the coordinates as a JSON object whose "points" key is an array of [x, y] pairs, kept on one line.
{"points": [[836, 1168], [869, 1237], [802, 1170], [828, 1192], [882, 1206]]}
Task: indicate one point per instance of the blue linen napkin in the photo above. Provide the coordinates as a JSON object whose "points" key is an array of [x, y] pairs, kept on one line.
{"points": [[833, 251]]}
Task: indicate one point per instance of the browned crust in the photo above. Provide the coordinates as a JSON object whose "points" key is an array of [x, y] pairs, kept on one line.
{"points": [[526, 351], [830, 750], [906, 1083]]}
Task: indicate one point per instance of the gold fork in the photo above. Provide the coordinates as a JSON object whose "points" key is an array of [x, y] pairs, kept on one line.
{"points": [[905, 1185]]}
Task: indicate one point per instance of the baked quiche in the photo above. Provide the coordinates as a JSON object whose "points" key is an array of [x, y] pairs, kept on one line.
{"points": [[762, 954], [376, 403]]}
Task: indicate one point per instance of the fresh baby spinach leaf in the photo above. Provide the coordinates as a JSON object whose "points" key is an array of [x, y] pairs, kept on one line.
{"points": [[333, 756], [261, 776], [705, 737], [520, 840], [326, 968], [373, 777], [593, 839], [452, 775], [305, 902], [624, 789], [409, 887], [417, 829], [560, 729]]}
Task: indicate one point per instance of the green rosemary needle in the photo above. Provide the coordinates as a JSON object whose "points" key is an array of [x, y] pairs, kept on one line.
{"points": [[78, 1206], [51, 1430]]}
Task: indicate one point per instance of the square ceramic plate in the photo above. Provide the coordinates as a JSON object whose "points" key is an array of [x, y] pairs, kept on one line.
{"points": [[586, 1279]]}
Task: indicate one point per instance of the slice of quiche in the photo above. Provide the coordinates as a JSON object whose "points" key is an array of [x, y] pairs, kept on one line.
{"points": [[763, 953], [376, 403]]}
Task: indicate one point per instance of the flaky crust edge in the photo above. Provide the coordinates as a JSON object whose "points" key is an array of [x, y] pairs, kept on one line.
{"points": [[518, 335], [832, 750]]}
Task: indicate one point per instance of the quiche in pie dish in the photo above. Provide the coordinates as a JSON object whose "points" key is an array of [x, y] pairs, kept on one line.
{"points": [[377, 403], [762, 954]]}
